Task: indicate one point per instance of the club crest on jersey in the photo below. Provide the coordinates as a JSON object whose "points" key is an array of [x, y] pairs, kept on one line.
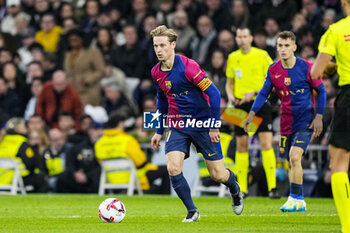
{"points": [[287, 81], [168, 84]]}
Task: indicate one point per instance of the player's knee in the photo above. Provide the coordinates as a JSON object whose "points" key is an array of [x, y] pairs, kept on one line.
{"points": [[218, 176], [294, 160], [173, 170]]}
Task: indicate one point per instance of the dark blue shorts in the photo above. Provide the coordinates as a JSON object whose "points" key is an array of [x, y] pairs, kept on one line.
{"points": [[180, 140], [300, 139]]}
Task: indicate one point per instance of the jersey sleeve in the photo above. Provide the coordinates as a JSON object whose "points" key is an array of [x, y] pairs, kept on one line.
{"points": [[193, 72], [229, 68], [313, 82], [328, 43], [263, 94]]}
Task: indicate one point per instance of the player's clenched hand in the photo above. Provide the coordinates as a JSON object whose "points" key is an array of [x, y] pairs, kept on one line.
{"points": [[248, 96], [248, 120], [214, 135], [156, 141], [317, 125]]}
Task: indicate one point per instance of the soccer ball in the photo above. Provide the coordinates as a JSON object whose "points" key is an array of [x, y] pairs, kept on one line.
{"points": [[111, 210]]}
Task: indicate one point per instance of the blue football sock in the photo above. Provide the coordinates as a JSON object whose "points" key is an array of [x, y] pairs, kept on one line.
{"points": [[232, 184], [296, 191], [182, 189]]}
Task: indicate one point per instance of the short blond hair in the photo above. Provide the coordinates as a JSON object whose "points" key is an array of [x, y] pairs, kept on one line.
{"points": [[164, 31]]}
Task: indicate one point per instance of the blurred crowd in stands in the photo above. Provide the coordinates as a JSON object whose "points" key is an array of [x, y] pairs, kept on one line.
{"points": [[66, 65]]}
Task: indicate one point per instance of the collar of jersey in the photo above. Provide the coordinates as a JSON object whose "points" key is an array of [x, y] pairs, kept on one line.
{"points": [[112, 132]]}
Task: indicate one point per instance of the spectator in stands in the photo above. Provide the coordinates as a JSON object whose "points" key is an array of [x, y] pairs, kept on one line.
{"points": [[140, 10], [272, 28], [37, 52], [105, 43], [5, 56], [218, 11], [307, 52], [116, 18], [66, 123], [7, 41], [49, 34], [54, 157], [203, 40], [297, 22], [226, 42], [65, 10], [191, 7], [68, 25], [84, 66], [21, 23], [306, 36], [15, 81], [165, 9], [82, 171], [41, 7], [28, 38], [8, 24], [14, 144], [114, 98], [81, 134], [327, 19], [150, 23], [36, 122], [312, 13], [260, 38], [184, 31], [59, 96], [131, 57], [217, 69], [49, 65], [115, 75], [34, 70], [89, 25], [10, 103], [240, 15], [282, 11], [36, 88], [104, 20], [38, 140], [116, 143]]}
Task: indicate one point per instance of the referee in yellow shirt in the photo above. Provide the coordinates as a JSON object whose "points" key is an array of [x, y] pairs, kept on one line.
{"points": [[336, 42], [246, 70]]}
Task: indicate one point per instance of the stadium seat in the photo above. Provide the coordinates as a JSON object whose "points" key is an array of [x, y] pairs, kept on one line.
{"points": [[17, 181], [119, 165]]}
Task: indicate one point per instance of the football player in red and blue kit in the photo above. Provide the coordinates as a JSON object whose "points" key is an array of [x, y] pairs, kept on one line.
{"points": [[291, 79], [191, 104]]}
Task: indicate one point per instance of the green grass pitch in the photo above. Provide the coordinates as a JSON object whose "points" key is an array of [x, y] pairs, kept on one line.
{"points": [[151, 213]]}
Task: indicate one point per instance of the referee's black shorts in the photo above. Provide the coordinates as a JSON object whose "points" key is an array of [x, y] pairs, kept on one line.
{"points": [[265, 113], [340, 129]]}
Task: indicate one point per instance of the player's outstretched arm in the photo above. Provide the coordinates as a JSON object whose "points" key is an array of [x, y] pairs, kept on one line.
{"points": [[320, 64]]}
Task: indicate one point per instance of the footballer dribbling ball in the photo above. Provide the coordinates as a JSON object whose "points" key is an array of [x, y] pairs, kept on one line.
{"points": [[111, 210]]}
